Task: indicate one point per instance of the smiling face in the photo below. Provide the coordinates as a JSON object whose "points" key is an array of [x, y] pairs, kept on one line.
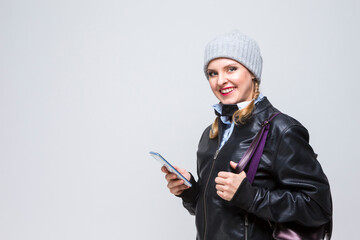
{"points": [[230, 81]]}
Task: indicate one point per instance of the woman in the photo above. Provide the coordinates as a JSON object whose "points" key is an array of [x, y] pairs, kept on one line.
{"points": [[289, 189]]}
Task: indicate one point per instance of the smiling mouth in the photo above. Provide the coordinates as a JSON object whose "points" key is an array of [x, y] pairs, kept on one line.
{"points": [[226, 91]]}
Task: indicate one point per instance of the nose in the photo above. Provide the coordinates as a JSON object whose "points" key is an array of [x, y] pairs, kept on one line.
{"points": [[222, 79]]}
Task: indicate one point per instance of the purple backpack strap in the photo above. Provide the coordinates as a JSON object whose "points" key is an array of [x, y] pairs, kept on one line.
{"points": [[255, 150]]}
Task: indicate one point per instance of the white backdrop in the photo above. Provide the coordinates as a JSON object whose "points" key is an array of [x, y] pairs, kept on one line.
{"points": [[88, 88]]}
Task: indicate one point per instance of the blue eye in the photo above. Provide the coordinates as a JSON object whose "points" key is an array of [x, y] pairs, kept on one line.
{"points": [[212, 74], [232, 69]]}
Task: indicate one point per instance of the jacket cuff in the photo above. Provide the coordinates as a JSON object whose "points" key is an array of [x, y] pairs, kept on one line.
{"points": [[244, 195], [189, 195]]}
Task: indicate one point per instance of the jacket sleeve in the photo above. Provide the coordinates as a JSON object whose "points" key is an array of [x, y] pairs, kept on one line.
{"points": [[189, 196], [302, 194]]}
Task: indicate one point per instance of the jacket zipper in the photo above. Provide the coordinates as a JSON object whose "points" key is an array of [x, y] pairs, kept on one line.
{"points": [[207, 183], [246, 226]]}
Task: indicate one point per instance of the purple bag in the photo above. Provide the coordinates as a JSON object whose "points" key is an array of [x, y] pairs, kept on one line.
{"points": [[282, 231], [297, 232]]}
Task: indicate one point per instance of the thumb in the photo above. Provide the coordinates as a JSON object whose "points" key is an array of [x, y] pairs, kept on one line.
{"points": [[233, 164]]}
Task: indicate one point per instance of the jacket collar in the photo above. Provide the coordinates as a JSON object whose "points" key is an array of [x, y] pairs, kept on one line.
{"points": [[262, 105]]}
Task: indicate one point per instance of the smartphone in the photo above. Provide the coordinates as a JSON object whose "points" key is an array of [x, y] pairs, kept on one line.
{"points": [[169, 167]]}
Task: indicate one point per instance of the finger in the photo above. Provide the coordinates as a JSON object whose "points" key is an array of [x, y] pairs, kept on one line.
{"points": [[221, 188], [178, 190], [223, 195], [183, 172], [180, 170], [170, 177], [175, 183], [220, 180], [233, 164], [164, 169], [183, 187], [224, 174]]}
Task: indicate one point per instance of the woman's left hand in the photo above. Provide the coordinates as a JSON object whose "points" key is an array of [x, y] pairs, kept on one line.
{"points": [[227, 183]]}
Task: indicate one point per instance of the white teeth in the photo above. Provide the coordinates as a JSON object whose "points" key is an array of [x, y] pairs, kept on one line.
{"points": [[226, 90]]}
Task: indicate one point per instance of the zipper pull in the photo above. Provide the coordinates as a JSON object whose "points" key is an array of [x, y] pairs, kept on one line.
{"points": [[246, 226], [216, 153]]}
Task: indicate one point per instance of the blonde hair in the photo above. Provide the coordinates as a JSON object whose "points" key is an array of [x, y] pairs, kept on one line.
{"points": [[240, 116]]}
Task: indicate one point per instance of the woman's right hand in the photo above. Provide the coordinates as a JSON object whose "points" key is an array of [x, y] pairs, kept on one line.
{"points": [[175, 185]]}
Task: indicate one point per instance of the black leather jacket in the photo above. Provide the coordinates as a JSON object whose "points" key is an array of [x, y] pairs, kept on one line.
{"points": [[289, 186]]}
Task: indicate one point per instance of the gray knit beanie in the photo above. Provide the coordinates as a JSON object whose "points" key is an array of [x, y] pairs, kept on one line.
{"points": [[238, 47]]}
